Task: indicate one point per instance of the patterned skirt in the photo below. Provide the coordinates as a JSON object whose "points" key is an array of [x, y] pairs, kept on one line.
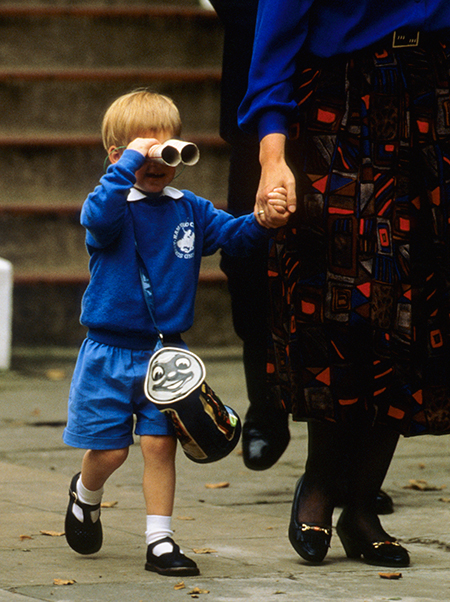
{"points": [[360, 278]]}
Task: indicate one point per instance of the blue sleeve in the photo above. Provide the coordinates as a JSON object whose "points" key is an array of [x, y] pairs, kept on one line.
{"points": [[281, 30], [104, 209], [235, 235]]}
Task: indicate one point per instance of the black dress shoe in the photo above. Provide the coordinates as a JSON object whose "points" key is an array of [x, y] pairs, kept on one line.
{"points": [[384, 503], [310, 541], [387, 553], [173, 563], [264, 439], [84, 536]]}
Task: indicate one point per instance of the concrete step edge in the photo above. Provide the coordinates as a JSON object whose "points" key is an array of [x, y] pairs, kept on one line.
{"points": [[175, 75], [98, 10]]}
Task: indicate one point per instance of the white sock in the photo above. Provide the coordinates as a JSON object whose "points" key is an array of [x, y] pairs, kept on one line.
{"points": [[159, 527], [86, 496]]}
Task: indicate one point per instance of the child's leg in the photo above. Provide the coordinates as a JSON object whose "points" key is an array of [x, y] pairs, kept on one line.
{"points": [[99, 464], [163, 554], [159, 473], [82, 526]]}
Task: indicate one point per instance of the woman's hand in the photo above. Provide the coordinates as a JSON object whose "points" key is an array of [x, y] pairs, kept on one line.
{"points": [[275, 199]]}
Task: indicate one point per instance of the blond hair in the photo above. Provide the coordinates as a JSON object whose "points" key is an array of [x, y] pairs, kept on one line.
{"points": [[137, 113]]}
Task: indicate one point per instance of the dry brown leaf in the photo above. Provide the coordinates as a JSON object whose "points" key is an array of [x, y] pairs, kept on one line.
{"points": [[204, 551], [179, 585], [422, 485], [108, 504], [55, 374], [197, 590], [185, 518], [444, 499], [221, 485], [390, 575], [22, 537], [52, 533], [63, 581], [421, 465]]}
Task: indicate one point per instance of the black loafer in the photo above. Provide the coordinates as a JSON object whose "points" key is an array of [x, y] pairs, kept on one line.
{"points": [[86, 536], [264, 440], [384, 504], [172, 563], [310, 541], [387, 553]]}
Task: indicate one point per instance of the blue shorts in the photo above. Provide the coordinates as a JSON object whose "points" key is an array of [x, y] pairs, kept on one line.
{"points": [[107, 391]]}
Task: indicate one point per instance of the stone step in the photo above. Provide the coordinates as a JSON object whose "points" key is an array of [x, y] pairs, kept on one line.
{"points": [[7, 4], [74, 101], [62, 170], [47, 244], [47, 314], [104, 36]]}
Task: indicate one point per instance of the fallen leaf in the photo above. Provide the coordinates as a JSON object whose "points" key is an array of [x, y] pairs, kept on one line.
{"points": [[422, 485], [52, 533], [36, 412], [185, 518], [108, 504], [444, 499], [22, 537], [197, 590], [179, 585], [63, 581], [204, 551], [221, 485], [390, 575], [56, 374], [421, 465]]}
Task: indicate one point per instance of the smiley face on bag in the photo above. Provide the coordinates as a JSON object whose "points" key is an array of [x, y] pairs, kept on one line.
{"points": [[174, 374]]}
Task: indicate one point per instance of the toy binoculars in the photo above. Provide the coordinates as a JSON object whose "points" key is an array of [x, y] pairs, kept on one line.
{"points": [[174, 152]]}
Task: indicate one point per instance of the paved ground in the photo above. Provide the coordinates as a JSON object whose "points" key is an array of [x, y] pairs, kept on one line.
{"points": [[238, 532]]}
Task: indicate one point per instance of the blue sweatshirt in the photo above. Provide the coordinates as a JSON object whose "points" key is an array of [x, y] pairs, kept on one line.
{"points": [[286, 30], [172, 231]]}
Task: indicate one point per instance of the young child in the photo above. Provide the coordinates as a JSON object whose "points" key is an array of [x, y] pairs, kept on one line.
{"points": [[134, 206]]}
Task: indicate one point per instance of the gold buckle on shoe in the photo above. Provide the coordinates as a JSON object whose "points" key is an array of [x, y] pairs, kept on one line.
{"points": [[405, 39], [377, 544], [315, 528]]}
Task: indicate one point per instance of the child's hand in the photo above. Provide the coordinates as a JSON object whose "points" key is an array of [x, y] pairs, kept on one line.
{"points": [[278, 200], [143, 145]]}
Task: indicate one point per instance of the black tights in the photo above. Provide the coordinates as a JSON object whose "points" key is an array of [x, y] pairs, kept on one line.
{"points": [[346, 464]]}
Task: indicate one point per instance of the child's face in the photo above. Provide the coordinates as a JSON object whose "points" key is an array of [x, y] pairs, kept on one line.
{"points": [[153, 176]]}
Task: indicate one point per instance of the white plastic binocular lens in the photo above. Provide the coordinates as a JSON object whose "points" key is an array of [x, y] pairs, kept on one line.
{"points": [[174, 152]]}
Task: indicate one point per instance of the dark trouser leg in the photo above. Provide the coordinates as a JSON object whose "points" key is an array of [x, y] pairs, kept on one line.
{"points": [[265, 432]]}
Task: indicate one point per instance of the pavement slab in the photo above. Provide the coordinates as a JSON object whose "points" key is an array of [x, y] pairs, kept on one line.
{"points": [[236, 533]]}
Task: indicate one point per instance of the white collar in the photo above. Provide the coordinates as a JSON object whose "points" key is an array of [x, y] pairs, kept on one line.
{"points": [[137, 195]]}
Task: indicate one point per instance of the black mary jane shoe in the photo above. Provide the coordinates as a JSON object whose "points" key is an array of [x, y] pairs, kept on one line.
{"points": [[387, 553], [264, 439], [173, 563], [310, 541], [86, 536]]}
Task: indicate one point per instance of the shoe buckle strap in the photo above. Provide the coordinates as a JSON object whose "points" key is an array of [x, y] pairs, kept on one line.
{"points": [[305, 527], [378, 544]]}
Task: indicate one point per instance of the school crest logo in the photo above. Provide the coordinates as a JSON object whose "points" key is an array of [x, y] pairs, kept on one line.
{"points": [[184, 240]]}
